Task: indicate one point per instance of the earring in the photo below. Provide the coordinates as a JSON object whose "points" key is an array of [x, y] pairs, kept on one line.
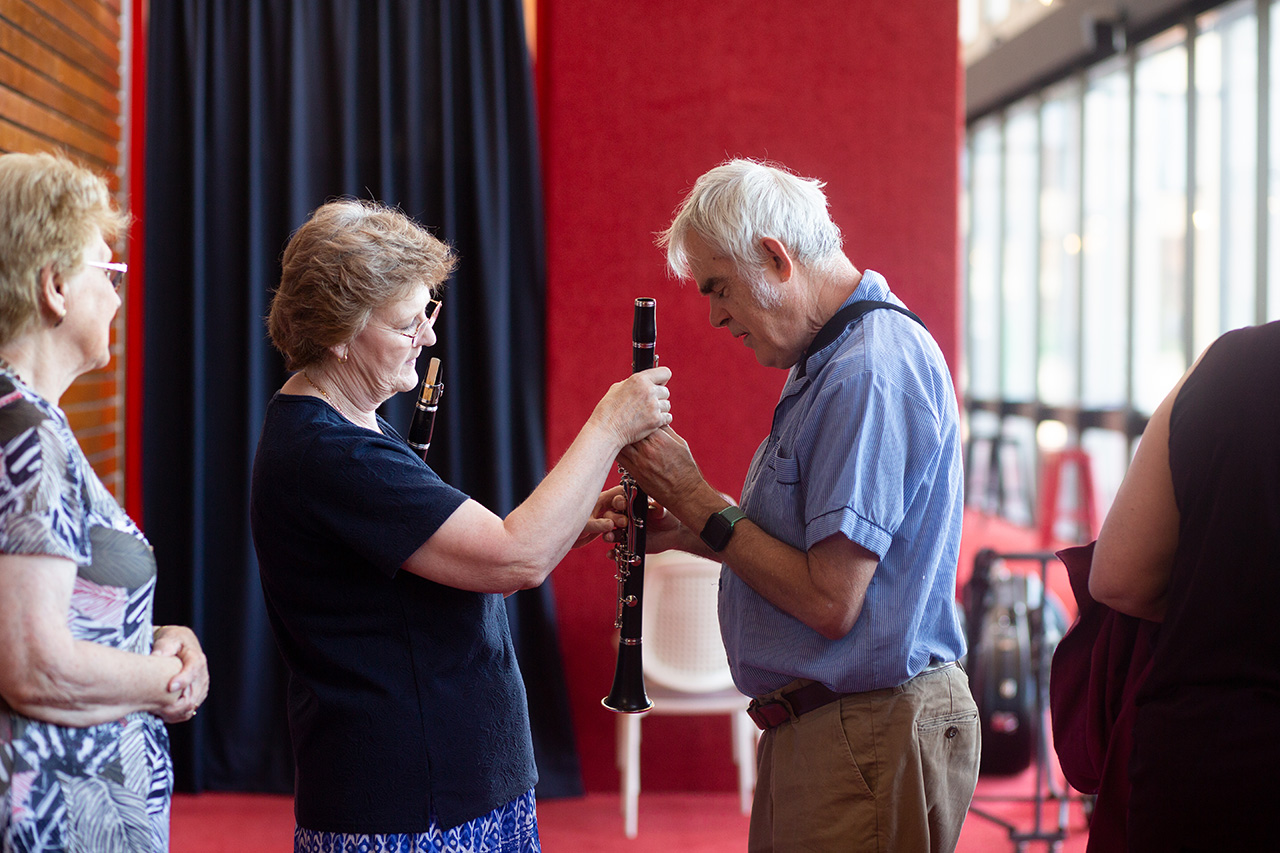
{"points": [[61, 317]]}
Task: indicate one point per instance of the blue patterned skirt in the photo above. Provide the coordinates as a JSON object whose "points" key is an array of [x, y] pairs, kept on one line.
{"points": [[512, 828]]}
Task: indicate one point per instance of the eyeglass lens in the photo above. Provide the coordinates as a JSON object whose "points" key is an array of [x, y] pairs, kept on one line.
{"points": [[115, 272], [433, 311]]}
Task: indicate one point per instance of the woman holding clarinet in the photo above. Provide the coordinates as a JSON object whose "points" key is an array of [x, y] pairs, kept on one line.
{"points": [[384, 584]]}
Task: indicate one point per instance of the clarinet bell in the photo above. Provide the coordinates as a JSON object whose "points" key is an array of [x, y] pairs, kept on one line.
{"points": [[627, 695]]}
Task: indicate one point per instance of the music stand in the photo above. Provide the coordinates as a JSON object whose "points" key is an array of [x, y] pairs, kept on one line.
{"points": [[1045, 790]]}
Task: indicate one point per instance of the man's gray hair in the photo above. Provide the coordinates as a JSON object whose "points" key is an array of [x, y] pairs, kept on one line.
{"points": [[739, 203]]}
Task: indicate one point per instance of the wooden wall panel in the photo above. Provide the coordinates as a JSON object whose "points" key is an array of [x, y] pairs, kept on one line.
{"points": [[60, 81]]}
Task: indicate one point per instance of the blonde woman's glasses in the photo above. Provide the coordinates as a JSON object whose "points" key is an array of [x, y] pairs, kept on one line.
{"points": [[115, 272]]}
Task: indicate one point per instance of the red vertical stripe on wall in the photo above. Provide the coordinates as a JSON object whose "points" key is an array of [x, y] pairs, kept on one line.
{"points": [[133, 350], [637, 100]]}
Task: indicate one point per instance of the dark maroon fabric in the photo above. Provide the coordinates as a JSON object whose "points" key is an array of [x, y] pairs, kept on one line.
{"points": [[1097, 668]]}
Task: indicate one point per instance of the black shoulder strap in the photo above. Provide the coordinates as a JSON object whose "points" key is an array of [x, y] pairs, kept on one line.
{"points": [[844, 317]]}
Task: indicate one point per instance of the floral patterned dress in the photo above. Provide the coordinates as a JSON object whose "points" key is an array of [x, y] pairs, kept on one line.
{"points": [[103, 788]]}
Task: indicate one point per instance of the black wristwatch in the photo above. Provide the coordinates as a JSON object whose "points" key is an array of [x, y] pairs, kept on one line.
{"points": [[719, 527]]}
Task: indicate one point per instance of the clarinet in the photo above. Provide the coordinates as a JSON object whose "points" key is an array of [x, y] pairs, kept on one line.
{"points": [[627, 695], [424, 410]]}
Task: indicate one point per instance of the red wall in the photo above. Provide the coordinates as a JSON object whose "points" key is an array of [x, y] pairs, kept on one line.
{"points": [[637, 100]]}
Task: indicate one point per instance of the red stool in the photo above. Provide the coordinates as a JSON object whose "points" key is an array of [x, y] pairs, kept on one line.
{"points": [[1085, 514]]}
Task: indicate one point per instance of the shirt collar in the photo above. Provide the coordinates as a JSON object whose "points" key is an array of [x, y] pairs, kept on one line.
{"points": [[872, 286]]}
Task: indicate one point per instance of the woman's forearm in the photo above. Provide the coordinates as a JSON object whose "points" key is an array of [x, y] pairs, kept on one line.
{"points": [[551, 519], [91, 683], [47, 674], [546, 525], [476, 550]]}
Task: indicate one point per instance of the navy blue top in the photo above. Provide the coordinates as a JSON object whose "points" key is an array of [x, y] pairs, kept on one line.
{"points": [[404, 694]]}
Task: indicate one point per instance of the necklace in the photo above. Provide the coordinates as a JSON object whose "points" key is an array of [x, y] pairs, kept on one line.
{"points": [[324, 394]]}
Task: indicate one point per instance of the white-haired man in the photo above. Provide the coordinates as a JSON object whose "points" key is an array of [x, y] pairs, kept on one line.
{"points": [[837, 601]]}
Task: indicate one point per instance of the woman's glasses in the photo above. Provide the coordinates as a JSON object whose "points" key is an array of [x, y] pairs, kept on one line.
{"points": [[433, 311], [115, 272]]}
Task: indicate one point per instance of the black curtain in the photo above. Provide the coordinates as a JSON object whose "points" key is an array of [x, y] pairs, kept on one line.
{"points": [[258, 111]]}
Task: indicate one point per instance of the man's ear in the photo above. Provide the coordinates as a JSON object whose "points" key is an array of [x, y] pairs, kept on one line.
{"points": [[778, 258]]}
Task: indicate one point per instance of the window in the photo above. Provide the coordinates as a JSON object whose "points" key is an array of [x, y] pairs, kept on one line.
{"points": [[1271, 309], [1020, 270], [1057, 376], [1224, 217], [1159, 219], [982, 366], [1105, 251], [1118, 221]]}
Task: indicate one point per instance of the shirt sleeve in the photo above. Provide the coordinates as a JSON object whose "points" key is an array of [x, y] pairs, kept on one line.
{"points": [[39, 510], [374, 496], [873, 443]]}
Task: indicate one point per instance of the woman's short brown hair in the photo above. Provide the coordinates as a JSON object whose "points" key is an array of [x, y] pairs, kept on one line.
{"points": [[51, 209], [347, 259]]}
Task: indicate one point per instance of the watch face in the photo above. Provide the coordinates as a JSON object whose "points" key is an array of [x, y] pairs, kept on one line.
{"points": [[716, 533], [719, 527]]}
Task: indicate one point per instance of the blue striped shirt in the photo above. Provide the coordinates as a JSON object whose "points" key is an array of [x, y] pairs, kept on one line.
{"points": [[865, 444]]}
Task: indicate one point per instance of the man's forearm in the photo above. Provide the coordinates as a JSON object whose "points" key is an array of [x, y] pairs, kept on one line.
{"points": [[824, 587]]}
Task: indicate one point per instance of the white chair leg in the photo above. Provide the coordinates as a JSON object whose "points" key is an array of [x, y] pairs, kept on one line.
{"points": [[744, 742], [620, 743], [620, 760], [630, 727]]}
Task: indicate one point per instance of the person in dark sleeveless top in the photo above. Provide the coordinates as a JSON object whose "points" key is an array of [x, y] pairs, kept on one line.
{"points": [[1193, 542]]}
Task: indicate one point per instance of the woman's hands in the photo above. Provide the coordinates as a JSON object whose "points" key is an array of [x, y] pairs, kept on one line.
{"points": [[663, 531], [476, 550], [605, 517], [190, 686], [631, 410], [636, 406], [47, 674]]}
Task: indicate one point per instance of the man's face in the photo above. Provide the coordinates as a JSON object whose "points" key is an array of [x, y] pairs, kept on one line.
{"points": [[766, 330]]}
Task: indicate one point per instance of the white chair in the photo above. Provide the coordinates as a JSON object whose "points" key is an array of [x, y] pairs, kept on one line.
{"points": [[685, 668]]}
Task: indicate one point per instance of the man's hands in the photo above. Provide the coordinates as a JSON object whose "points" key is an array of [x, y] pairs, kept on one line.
{"points": [[664, 468], [663, 465]]}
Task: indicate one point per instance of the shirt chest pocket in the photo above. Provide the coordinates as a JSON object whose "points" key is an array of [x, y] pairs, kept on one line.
{"points": [[786, 469]]}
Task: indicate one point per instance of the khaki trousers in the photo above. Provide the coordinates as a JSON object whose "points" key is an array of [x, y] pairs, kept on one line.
{"points": [[886, 770]]}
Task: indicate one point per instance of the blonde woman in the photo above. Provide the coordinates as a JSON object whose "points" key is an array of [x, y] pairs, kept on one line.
{"points": [[86, 681]]}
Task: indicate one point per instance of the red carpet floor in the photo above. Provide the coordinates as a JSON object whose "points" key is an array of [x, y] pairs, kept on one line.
{"points": [[685, 822], [690, 823]]}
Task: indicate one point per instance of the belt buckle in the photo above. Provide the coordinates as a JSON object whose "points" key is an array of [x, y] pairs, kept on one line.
{"points": [[769, 712]]}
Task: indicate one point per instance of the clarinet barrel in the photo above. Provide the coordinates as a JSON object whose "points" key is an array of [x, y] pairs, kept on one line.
{"points": [[628, 694]]}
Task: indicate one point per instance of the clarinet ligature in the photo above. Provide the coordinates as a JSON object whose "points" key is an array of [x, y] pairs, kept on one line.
{"points": [[424, 410]]}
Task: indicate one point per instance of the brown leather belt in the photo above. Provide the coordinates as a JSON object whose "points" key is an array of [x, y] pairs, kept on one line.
{"points": [[770, 712]]}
